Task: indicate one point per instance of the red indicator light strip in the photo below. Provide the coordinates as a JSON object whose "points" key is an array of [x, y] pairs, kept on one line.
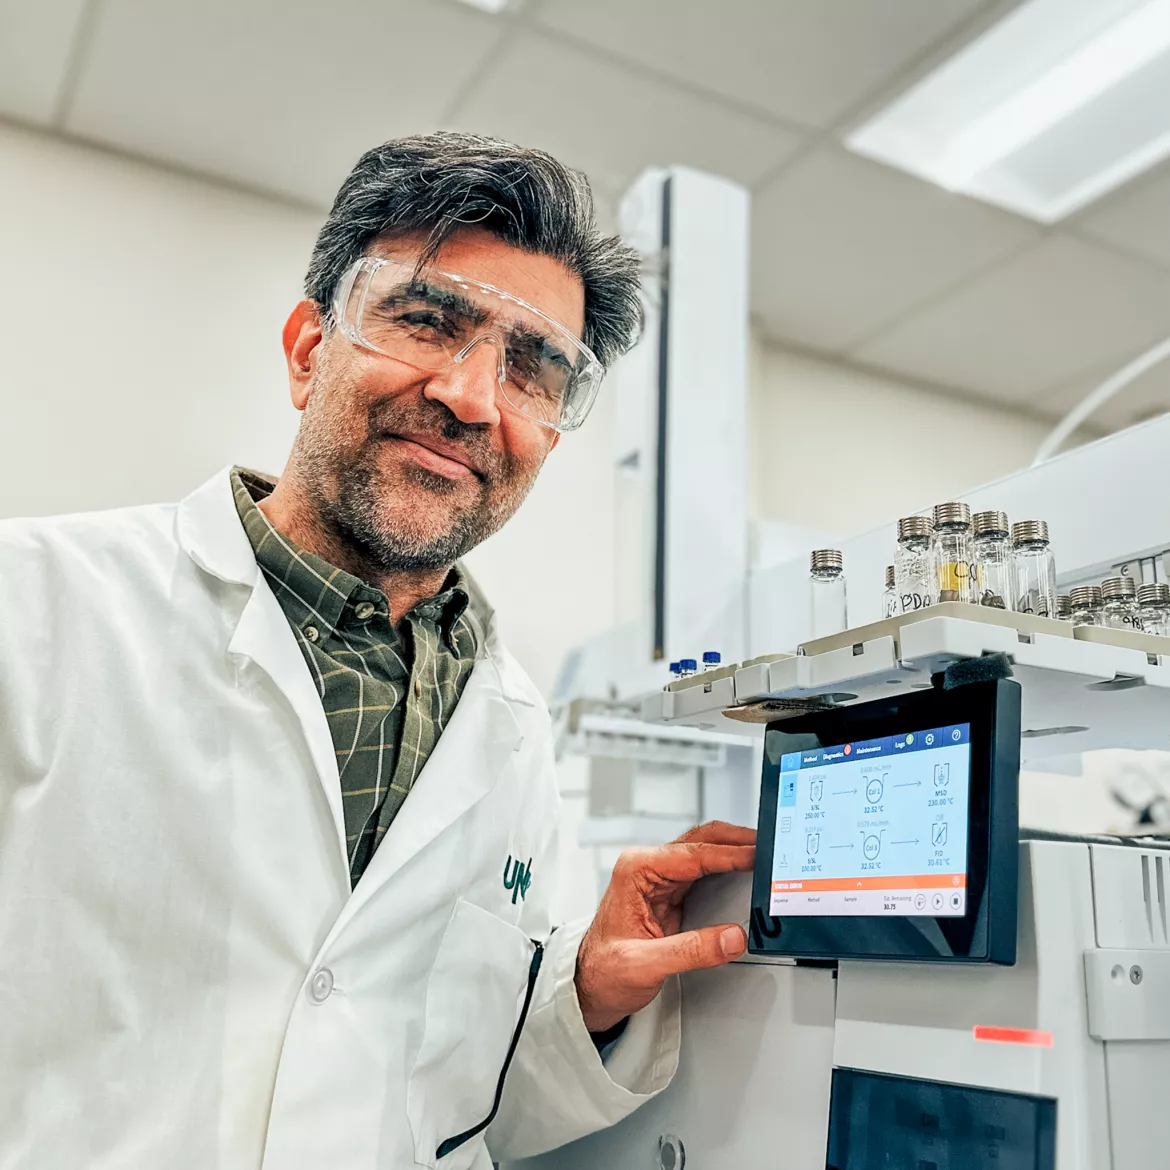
{"points": [[1015, 1036]]}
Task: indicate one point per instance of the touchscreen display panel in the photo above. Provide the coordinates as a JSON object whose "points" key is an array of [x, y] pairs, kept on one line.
{"points": [[876, 828]]}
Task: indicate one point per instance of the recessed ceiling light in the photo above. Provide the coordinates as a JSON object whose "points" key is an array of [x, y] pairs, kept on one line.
{"points": [[1055, 105], [492, 6]]}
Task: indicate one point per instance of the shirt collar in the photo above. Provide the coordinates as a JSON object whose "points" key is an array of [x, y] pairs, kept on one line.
{"points": [[208, 530], [322, 587]]}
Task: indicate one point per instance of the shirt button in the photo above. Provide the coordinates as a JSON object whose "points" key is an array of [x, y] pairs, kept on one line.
{"points": [[321, 985], [363, 611], [312, 633]]}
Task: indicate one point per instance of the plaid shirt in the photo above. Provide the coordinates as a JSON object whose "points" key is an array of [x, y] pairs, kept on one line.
{"points": [[388, 690]]}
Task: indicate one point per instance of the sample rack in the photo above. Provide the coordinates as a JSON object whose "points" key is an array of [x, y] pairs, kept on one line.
{"points": [[1080, 692]]}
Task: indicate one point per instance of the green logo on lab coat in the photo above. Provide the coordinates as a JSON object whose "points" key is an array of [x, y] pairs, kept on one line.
{"points": [[519, 879]]}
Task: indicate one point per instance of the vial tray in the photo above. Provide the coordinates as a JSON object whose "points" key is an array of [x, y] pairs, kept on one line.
{"points": [[1079, 694]]}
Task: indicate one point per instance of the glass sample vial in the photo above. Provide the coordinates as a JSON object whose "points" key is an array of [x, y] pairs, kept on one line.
{"points": [[889, 595], [827, 588], [1154, 608], [1086, 605], [1119, 606], [995, 569], [914, 581], [953, 551], [1119, 610], [711, 659], [687, 667], [1064, 607], [1035, 568]]}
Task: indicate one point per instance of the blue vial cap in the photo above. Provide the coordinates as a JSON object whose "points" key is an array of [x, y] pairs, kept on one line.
{"points": [[712, 656], [675, 667], [688, 664]]}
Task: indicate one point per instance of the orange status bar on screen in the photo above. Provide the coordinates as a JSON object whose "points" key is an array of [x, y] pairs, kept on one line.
{"points": [[924, 881]]}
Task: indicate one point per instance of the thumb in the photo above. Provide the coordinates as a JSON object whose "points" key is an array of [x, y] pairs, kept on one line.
{"points": [[691, 950]]}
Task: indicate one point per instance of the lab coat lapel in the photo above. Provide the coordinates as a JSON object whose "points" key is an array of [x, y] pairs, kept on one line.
{"points": [[471, 755], [264, 636], [208, 528]]}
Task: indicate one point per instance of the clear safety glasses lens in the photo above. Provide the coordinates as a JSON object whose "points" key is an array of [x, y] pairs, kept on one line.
{"points": [[430, 319]]}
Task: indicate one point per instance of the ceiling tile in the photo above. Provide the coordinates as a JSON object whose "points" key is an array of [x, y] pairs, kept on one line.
{"points": [[36, 38], [279, 94], [1050, 315], [1137, 220], [841, 245], [808, 61], [612, 121]]}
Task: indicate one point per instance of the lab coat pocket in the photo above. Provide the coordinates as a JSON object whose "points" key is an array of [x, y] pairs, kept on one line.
{"points": [[477, 998]]}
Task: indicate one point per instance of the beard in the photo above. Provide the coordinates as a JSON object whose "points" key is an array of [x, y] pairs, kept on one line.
{"points": [[400, 517]]}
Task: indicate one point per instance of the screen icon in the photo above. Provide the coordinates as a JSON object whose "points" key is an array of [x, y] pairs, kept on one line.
{"points": [[938, 833], [920, 902], [937, 901], [956, 735], [930, 739], [942, 775], [816, 791], [910, 739], [785, 824], [956, 901], [813, 844], [874, 790], [872, 846]]}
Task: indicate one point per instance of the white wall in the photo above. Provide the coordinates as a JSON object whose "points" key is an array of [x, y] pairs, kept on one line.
{"points": [[140, 320], [841, 451]]}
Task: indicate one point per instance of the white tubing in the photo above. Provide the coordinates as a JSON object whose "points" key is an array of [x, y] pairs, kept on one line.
{"points": [[1092, 402]]}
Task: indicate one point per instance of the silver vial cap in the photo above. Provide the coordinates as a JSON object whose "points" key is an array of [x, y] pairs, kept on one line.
{"points": [[1030, 532], [915, 526], [990, 524], [826, 558], [889, 576], [1063, 606], [1156, 593], [1119, 589], [953, 515], [1086, 597]]}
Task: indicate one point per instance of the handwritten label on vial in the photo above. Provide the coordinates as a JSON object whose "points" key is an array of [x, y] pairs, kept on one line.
{"points": [[912, 602]]}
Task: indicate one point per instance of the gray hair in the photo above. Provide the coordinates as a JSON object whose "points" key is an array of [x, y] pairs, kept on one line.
{"points": [[438, 183]]}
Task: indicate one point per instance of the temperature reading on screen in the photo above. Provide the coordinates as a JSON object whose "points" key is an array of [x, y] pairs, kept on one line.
{"points": [[885, 827]]}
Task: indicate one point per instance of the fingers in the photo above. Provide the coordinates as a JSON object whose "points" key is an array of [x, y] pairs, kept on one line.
{"points": [[718, 833], [686, 862], [653, 960]]}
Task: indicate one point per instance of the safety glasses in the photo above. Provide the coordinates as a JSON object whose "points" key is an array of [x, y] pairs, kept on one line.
{"points": [[431, 319]]}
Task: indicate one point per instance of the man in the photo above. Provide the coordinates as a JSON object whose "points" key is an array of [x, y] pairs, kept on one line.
{"points": [[277, 809]]}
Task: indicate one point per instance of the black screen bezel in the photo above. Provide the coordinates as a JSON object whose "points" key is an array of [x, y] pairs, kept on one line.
{"points": [[986, 932]]}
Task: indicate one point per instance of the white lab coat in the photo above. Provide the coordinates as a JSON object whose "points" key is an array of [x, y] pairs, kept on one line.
{"points": [[186, 979]]}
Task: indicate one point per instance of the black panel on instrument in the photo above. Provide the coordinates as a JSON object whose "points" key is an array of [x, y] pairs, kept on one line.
{"points": [[890, 830], [878, 1121]]}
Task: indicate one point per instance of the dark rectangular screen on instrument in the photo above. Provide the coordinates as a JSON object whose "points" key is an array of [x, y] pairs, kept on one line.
{"points": [[877, 1121]]}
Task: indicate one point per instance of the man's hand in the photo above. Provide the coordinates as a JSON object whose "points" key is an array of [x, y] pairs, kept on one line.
{"points": [[633, 944]]}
